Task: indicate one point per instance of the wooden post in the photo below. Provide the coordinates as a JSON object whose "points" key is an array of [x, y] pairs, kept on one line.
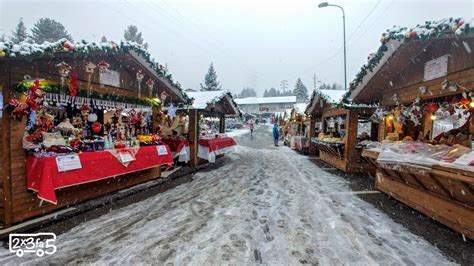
{"points": [[222, 124], [312, 134], [352, 121], [6, 152], [193, 135]]}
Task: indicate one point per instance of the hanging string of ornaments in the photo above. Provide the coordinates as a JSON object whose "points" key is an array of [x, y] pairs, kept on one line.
{"points": [[414, 111], [27, 51], [428, 30], [140, 77]]}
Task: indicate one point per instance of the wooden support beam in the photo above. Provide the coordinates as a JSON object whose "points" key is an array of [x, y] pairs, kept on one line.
{"points": [[6, 159], [221, 124], [312, 133], [193, 135]]}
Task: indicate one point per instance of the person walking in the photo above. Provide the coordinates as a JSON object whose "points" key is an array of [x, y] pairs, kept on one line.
{"points": [[251, 127], [275, 134]]}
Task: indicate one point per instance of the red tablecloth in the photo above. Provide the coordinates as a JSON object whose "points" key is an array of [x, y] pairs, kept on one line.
{"points": [[42, 173], [217, 143], [176, 145]]}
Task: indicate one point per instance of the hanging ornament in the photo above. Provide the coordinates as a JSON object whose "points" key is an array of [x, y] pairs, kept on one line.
{"points": [[453, 87], [90, 68], [432, 107], [464, 101], [103, 66], [445, 84], [140, 76], [163, 96], [63, 69], [67, 46], [73, 83], [422, 89], [150, 83]]}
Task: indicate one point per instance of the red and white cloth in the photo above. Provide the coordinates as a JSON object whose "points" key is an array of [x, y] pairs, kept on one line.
{"points": [[208, 149], [42, 174], [179, 148]]}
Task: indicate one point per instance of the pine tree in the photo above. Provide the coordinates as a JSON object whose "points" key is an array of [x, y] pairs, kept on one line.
{"points": [[2, 38], [104, 39], [248, 92], [210, 80], [300, 91], [265, 93], [132, 34], [49, 30], [19, 34]]}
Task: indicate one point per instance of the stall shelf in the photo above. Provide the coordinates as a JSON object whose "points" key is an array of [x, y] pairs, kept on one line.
{"points": [[103, 76], [421, 77], [341, 152]]}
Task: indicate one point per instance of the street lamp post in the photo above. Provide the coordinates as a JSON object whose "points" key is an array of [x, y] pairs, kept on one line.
{"points": [[325, 4]]}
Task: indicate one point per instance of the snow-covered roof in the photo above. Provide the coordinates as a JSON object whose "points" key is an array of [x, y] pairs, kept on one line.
{"points": [[83, 48], [333, 96], [396, 36], [263, 100], [203, 98], [300, 108]]}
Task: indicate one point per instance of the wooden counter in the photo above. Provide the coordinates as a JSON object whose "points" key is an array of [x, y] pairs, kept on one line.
{"points": [[442, 193]]}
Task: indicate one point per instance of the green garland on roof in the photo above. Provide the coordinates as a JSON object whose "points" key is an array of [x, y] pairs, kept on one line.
{"points": [[429, 30], [84, 48], [50, 88]]}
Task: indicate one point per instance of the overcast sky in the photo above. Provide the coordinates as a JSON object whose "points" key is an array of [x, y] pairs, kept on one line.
{"points": [[256, 43]]}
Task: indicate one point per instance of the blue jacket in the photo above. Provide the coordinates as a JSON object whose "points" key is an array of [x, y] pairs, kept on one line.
{"points": [[275, 131]]}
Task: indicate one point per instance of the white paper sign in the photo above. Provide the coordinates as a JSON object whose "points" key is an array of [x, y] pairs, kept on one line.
{"points": [[436, 68], [68, 163], [111, 78], [465, 159], [126, 157], [162, 150]]}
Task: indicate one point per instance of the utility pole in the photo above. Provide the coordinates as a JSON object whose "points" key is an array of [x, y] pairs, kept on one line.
{"points": [[314, 79], [284, 85]]}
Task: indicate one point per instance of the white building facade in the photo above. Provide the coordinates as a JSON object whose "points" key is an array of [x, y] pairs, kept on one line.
{"points": [[265, 106]]}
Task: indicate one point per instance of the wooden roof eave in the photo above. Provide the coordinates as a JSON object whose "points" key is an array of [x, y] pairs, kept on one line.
{"points": [[400, 53], [175, 91], [392, 46]]}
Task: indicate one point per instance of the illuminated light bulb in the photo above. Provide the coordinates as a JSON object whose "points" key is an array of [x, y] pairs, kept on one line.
{"points": [[472, 104], [390, 117], [433, 117]]}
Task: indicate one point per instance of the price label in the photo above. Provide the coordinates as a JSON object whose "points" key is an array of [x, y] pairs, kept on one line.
{"points": [[68, 163], [162, 150], [126, 157]]}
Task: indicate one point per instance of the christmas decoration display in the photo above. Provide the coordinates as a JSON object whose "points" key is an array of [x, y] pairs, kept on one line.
{"points": [[431, 29], [27, 50], [140, 76], [103, 66], [73, 84], [64, 69], [90, 69], [150, 83]]}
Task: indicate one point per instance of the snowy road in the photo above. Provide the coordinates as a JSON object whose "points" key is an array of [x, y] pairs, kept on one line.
{"points": [[265, 205]]}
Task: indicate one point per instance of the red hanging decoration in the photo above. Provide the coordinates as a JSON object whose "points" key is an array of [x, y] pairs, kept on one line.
{"points": [[432, 107], [73, 83], [464, 101]]}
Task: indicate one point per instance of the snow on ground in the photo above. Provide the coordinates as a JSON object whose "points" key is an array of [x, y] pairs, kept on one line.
{"points": [[237, 132], [268, 206]]}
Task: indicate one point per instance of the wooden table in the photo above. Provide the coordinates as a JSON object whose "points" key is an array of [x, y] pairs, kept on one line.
{"points": [[443, 193]]}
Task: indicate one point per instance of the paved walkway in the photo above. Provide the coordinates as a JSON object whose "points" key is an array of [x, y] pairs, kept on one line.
{"points": [[266, 205]]}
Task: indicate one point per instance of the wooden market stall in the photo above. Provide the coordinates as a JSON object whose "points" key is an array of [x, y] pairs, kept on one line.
{"points": [[344, 131], [77, 123], [207, 117], [298, 129], [320, 100], [424, 78]]}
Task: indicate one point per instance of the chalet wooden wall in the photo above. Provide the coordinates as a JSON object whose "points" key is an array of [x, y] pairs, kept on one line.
{"points": [[410, 78], [17, 203]]}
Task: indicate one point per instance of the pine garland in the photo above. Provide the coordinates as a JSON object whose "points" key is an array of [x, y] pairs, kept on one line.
{"points": [[22, 87], [429, 30], [84, 48]]}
